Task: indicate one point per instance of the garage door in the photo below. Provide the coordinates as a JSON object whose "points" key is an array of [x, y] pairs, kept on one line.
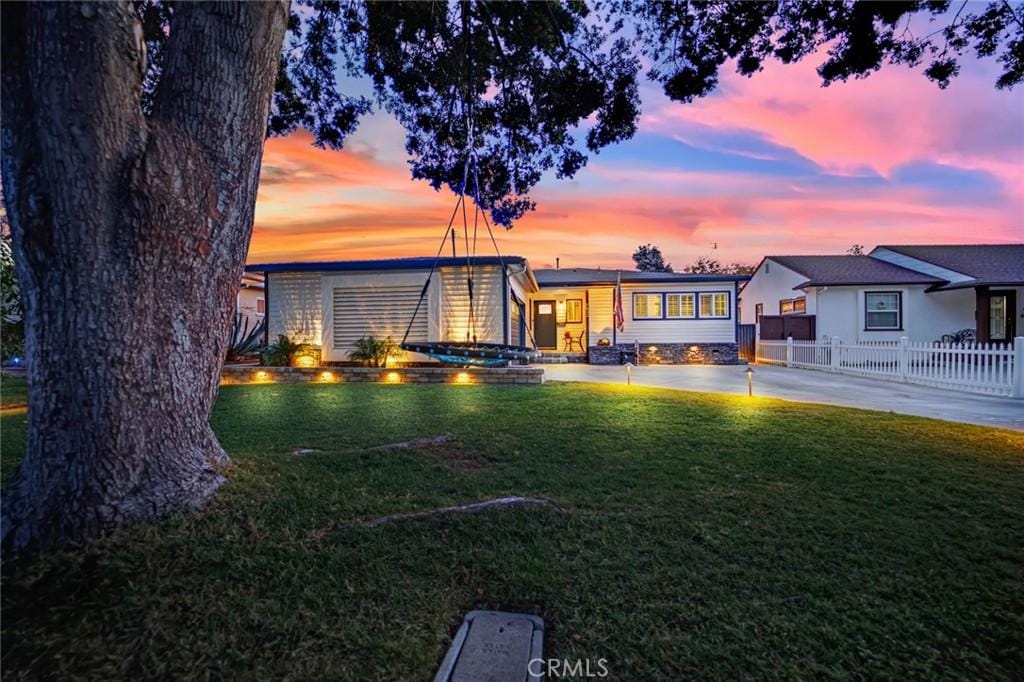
{"points": [[378, 312]]}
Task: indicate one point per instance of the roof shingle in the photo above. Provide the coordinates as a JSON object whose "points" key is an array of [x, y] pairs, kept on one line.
{"points": [[847, 270], [987, 263]]}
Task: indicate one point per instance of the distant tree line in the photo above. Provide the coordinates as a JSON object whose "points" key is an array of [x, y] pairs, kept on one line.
{"points": [[648, 258]]}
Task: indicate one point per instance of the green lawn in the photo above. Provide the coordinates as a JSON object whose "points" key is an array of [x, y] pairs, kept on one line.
{"points": [[705, 536], [13, 391]]}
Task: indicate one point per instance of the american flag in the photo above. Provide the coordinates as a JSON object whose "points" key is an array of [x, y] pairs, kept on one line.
{"points": [[620, 318]]}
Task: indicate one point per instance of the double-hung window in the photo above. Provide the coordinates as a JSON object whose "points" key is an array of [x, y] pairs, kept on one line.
{"points": [[714, 305], [574, 310], [679, 306], [883, 310], [647, 307]]}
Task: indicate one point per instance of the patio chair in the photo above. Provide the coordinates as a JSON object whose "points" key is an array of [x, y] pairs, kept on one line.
{"points": [[577, 341]]}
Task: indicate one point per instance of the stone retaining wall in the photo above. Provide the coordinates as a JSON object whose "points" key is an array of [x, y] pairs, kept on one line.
{"points": [[396, 375], [667, 354]]}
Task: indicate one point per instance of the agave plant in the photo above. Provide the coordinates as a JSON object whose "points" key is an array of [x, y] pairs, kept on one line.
{"points": [[244, 341], [374, 352]]}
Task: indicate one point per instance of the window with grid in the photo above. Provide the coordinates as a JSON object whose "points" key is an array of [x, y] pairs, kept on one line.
{"points": [[647, 306], [714, 305], [679, 306]]}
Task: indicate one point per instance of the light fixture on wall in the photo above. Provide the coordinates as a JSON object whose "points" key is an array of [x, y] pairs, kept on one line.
{"points": [[560, 311]]}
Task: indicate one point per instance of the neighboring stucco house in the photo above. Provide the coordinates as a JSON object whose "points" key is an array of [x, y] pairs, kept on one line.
{"points": [[250, 302], [924, 292], [671, 318]]}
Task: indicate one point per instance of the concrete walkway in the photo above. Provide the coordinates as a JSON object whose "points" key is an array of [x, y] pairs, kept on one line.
{"points": [[810, 386]]}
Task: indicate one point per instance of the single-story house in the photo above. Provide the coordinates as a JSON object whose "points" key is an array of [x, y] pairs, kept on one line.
{"points": [[670, 318], [924, 292]]}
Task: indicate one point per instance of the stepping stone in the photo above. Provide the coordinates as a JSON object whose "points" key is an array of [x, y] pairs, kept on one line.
{"points": [[494, 646]]}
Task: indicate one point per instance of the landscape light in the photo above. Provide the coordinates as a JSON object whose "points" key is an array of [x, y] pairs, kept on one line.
{"points": [[750, 381], [304, 360], [629, 374], [393, 378], [326, 376], [462, 378], [261, 375]]}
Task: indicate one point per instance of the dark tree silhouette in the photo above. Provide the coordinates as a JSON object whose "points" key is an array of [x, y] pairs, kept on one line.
{"points": [[856, 250], [688, 41], [710, 266], [648, 258], [132, 136]]}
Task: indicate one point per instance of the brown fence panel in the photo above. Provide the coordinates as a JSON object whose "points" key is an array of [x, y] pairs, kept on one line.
{"points": [[779, 327]]}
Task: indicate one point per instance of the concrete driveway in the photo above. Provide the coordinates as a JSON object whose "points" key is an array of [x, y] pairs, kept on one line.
{"points": [[810, 386]]}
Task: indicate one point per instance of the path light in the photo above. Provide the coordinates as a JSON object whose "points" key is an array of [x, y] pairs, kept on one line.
{"points": [[750, 381], [262, 376], [462, 378], [629, 374], [393, 377], [326, 376]]}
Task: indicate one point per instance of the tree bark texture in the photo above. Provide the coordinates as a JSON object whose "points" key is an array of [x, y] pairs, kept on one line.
{"points": [[130, 236]]}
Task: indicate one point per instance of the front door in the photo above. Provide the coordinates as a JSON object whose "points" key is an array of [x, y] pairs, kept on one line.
{"points": [[1002, 315], [545, 328]]}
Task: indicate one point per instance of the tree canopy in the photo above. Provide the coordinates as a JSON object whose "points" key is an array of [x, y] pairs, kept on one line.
{"points": [[534, 87], [648, 258]]}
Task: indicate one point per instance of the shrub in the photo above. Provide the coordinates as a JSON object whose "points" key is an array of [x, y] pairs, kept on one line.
{"points": [[374, 352], [281, 352]]}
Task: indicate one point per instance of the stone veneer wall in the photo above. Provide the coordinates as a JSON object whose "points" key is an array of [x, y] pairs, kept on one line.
{"points": [[668, 354], [396, 375]]}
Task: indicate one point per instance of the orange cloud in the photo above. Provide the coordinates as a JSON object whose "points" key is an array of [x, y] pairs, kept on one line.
{"points": [[361, 203]]}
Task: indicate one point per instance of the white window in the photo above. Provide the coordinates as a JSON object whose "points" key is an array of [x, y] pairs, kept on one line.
{"points": [[574, 310], [646, 306], [883, 310], [679, 306], [714, 305]]}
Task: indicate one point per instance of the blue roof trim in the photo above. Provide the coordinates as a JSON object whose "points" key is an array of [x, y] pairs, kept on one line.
{"points": [[382, 264], [648, 280]]}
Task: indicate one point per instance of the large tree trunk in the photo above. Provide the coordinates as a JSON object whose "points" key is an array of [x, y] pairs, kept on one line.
{"points": [[130, 236]]}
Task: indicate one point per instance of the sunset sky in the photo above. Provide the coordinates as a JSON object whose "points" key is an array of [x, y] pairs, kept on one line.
{"points": [[775, 164]]}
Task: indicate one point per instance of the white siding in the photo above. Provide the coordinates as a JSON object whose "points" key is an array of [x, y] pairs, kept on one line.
{"points": [[488, 303], [678, 331], [601, 313], [926, 316], [520, 285], [294, 306]]}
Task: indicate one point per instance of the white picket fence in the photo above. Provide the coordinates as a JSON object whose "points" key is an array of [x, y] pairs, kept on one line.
{"points": [[990, 368]]}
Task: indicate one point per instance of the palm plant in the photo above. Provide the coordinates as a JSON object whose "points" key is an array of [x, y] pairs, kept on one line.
{"points": [[281, 352], [374, 352]]}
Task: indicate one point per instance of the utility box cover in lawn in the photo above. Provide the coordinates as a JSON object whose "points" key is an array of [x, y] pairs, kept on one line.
{"points": [[494, 646]]}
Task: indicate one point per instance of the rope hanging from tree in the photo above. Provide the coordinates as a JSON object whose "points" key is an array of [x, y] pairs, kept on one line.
{"points": [[471, 352]]}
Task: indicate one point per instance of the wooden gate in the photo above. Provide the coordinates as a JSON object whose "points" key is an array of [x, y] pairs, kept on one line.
{"points": [[746, 337]]}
